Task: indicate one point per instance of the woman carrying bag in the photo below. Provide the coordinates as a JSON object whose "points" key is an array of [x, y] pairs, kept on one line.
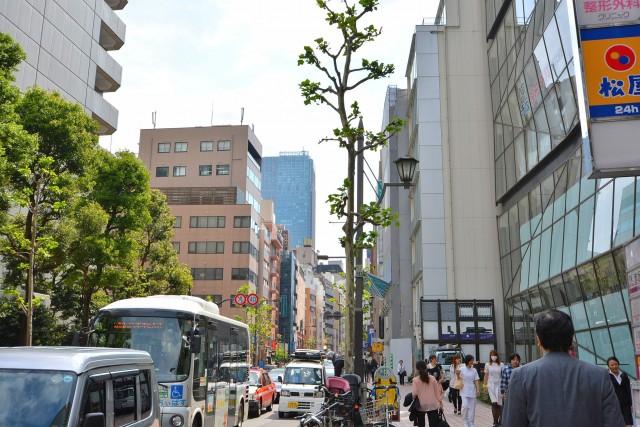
{"points": [[425, 388], [456, 385]]}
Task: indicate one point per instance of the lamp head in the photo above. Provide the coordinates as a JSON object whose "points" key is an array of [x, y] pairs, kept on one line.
{"points": [[406, 169]]}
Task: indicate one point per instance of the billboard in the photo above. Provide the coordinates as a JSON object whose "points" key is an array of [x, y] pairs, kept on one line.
{"points": [[606, 12]]}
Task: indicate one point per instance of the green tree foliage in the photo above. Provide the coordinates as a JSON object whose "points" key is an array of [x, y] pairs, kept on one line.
{"points": [[340, 75], [258, 318]]}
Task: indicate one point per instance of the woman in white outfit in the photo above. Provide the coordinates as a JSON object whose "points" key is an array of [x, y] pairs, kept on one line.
{"points": [[470, 391], [492, 375]]}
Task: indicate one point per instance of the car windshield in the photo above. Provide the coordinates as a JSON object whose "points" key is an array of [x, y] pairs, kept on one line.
{"points": [[303, 375], [36, 398], [254, 378], [275, 373], [164, 338]]}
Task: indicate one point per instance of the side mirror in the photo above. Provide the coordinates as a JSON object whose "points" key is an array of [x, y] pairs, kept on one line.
{"points": [[94, 419], [196, 344]]}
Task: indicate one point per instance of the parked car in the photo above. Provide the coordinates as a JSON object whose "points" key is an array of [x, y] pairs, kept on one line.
{"points": [[77, 386], [274, 374], [262, 391]]}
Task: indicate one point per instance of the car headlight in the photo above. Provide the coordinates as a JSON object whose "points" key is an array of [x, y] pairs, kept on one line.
{"points": [[285, 392], [252, 396], [318, 393], [177, 421]]}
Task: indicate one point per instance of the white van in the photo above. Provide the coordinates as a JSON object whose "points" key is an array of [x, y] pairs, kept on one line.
{"points": [[300, 392], [77, 387]]}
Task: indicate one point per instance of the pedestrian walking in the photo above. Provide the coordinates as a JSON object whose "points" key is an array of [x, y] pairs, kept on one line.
{"points": [[338, 364], [454, 392], [558, 390], [402, 372], [435, 369], [470, 390], [373, 365], [622, 386], [514, 362], [367, 368], [492, 375], [425, 388]]}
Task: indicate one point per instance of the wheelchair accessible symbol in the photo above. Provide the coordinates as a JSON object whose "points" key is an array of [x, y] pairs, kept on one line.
{"points": [[176, 391]]}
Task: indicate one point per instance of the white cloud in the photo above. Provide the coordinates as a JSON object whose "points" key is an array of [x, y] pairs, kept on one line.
{"points": [[180, 59]]}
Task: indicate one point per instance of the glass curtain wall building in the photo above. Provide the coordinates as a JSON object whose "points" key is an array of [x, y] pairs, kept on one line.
{"points": [[290, 181], [561, 234]]}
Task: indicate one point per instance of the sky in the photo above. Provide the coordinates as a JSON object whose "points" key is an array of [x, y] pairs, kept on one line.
{"points": [[200, 62]]}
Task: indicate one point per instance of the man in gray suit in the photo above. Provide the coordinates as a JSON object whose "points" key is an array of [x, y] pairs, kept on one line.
{"points": [[558, 390]]}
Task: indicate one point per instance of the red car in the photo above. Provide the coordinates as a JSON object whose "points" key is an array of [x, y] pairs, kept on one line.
{"points": [[262, 391]]}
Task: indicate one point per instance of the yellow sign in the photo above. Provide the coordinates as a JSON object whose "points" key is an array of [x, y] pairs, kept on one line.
{"points": [[611, 59], [377, 347]]}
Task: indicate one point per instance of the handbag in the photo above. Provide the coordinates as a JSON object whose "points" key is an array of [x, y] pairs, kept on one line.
{"points": [[415, 405], [459, 384], [442, 420]]}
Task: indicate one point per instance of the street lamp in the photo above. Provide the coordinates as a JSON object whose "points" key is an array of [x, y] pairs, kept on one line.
{"points": [[406, 169]]}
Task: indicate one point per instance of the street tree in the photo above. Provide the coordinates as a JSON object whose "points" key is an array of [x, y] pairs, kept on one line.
{"points": [[341, 71], [258, 318]]}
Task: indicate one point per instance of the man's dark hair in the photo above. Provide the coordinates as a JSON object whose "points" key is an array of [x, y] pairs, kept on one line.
{"points": [[514, 356], [613, 358], [555, 330]]}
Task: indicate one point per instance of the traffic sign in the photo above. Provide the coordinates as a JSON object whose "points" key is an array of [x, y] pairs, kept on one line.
{"points": [[377, 347], [252, 299], [240, 299]]}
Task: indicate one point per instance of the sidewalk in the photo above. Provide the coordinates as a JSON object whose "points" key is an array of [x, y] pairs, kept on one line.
{"points": [[483, 416]]}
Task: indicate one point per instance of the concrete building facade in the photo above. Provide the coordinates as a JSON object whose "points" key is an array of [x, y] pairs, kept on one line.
{"points": [[67, 45], [211, 177]]}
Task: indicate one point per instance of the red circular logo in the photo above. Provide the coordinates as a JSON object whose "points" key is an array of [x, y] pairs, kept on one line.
{"points": [[620, 57]]}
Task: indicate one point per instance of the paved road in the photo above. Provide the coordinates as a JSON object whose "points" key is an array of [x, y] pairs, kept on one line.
{"points": [[483, 416]]}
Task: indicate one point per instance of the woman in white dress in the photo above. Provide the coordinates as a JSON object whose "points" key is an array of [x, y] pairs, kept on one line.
{"points": [[470, 391], [492, 375]]}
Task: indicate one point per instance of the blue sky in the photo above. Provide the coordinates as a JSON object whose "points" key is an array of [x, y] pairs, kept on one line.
{"points": [[199, 62]]}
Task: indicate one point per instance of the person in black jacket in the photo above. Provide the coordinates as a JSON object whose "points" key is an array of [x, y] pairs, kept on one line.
{"points": [[622, 386]]}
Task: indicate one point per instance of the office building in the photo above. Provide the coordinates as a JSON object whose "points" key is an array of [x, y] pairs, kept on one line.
{"points": [[290, 181], [211, 177], [67, 45]]}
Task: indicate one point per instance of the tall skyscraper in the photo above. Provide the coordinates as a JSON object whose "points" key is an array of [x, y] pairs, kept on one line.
{"points": [[66, 45], [290, 181]]}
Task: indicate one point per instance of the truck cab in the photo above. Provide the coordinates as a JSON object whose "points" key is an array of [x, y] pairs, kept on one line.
{"points": [[445, 355], [302, 376]]}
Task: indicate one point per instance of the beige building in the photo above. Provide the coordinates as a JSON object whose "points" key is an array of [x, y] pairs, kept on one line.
{"points": [[211, 177]]}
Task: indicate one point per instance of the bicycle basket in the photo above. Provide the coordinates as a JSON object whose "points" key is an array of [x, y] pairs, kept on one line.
{"points": [[344, 407], [374, 411]]}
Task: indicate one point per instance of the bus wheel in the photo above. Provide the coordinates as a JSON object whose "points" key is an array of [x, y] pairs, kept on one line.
{"points": [[197, 422], [240, 415]]}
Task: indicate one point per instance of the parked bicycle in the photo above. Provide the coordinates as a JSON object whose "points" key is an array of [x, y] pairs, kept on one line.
{"points": [[336, 411], [379, 408]]}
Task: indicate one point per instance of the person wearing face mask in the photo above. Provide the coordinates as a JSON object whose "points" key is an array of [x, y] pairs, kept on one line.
{"points": [[492, 375]]}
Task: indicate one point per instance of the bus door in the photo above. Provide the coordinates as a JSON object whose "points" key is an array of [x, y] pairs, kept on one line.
{"points": [[212, 371]]}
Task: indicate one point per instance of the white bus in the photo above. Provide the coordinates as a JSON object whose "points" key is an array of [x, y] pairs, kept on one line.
{"points": [[200, 357]]}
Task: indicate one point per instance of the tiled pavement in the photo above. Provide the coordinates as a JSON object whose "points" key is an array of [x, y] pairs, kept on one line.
{"points": [[483, 416]]}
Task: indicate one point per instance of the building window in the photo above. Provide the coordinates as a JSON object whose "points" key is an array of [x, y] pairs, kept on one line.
{"points": [[224, 145], [207, 273], [205, 170], [178, 222], [164, 147], [181, 147], [242, 222], [162, 171], [176, 246], [206, 247], [241, 247], [207, 222], [206, 145], [239, 273], [222, 170], [179, 171], [217, 298]]}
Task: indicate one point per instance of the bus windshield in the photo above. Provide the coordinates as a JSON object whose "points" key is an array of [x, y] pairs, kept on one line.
{"points": [[164, 338], [36, 398]]}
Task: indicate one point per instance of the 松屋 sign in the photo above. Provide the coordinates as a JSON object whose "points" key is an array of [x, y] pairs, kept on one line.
{"points": [[606, 12], [611, 61]]}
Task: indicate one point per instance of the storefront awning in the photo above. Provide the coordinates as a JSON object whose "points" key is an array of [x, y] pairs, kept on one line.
{"points": [[376, 285]]}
